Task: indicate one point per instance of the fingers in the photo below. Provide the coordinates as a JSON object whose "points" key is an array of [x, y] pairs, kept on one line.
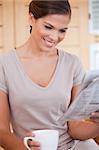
{"points": [[95, 117], [34, 145]]}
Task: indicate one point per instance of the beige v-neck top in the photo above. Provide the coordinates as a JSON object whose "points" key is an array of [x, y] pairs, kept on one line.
{"points": [[34, 107]]}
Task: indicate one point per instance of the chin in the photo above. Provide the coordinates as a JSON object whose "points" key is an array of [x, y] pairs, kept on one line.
{"points": [[47, 49]]}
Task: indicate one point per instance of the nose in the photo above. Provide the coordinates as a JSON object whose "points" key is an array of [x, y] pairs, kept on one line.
{"points": [[54, 36]]}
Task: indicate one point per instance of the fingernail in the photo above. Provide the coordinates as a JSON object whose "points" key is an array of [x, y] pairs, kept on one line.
{"points": [[92, 113]]}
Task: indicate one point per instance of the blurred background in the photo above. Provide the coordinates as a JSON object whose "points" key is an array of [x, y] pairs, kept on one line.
{"points": [[82, 38]]}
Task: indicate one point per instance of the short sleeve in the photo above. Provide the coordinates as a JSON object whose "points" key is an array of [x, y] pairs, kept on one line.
{"points": [[79, 72], [3, 84]]}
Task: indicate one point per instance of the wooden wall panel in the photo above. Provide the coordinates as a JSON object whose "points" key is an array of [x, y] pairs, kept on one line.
{"points": [[1, 37], [6, 25], [1, 15], [72, 37], [75, 20], [1, 26], [21, 22]]}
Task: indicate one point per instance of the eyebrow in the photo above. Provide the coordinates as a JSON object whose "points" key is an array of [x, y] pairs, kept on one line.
{"points": [[54, 27]]}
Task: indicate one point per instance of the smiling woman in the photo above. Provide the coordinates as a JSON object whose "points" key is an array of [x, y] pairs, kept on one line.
{"points": [[48, 31], [38, 82]]}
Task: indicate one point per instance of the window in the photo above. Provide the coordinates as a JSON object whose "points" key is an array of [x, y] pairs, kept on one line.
{"points": [[94, 56], [94, 16]]}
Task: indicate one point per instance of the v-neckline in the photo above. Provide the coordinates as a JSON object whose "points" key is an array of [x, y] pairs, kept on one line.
{"points": [[30, 80]]}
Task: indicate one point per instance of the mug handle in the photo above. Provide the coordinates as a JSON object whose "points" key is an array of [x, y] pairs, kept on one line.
{"points": [[26, 141]]}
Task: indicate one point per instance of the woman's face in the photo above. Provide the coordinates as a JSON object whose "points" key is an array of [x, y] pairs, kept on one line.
{"points": [[48, 31]]}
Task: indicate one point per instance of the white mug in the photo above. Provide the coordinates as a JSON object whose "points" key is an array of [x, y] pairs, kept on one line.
{"points": [[47, 138]]}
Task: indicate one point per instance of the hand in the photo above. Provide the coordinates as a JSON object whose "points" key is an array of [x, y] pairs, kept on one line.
{"points": [[34, 145], [95, 117]]}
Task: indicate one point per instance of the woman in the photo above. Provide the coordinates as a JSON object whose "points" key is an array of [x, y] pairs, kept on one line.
{"points": [[39, 81]]}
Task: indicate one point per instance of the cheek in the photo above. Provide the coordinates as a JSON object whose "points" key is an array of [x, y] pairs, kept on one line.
{"points": [[41, 33], [37, 31], [62, 37]]}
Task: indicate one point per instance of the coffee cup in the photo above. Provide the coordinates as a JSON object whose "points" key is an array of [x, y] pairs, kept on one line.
{"points": [[48, 139]]}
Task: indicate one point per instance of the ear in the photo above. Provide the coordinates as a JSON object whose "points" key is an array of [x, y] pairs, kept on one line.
{"points": [[31, 19]]}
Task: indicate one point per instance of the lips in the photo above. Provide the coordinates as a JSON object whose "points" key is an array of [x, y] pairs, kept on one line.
{"points": [[48, 42]]}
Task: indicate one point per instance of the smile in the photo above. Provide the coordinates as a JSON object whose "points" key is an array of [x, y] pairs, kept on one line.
{"points": [[48, 42]]}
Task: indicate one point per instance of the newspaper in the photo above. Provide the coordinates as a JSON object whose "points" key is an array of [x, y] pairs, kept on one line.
{"points": [[87, 100]]}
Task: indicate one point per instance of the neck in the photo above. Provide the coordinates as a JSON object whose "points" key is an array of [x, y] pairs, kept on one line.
{"points": [[33, 49]]}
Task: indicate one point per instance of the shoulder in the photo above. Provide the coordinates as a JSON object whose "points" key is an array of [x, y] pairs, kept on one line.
{"points": [[5, 58], [71, 58]]}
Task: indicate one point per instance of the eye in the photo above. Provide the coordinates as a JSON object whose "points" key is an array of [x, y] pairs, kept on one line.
{"points": [[47, 27], [62, 31]]}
